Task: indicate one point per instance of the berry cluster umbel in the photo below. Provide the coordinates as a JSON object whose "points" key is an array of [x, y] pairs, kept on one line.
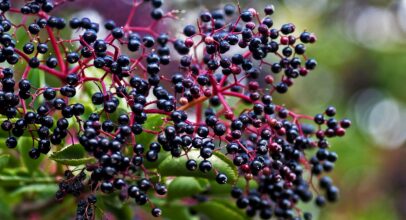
{"points": [[243, 57]]}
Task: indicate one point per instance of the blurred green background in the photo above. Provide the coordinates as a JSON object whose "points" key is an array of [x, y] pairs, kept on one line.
{"points": [[361, 51]]}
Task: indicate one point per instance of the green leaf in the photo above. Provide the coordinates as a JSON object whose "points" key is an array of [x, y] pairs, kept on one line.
{"points": [[161, 157], [5, 206], [13, 180], [184, 186], [89, 88], [177, 211], [36, 77], [220, 209], [89, 109], [237, 104], [86, 92], [67, 207], [230, 204], [111, 203], [24, 146], [72, 155], [36, 188], [4, 160], [176, 166], [153, 123], [225, 189]]}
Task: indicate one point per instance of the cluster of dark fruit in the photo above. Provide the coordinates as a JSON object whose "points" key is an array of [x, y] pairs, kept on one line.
{"points": [[71, 184], [86, 208], [74, 185], [280, 168], [47, 133], [266, 142]]}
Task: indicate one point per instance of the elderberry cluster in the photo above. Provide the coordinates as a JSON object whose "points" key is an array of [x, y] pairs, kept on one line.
{"points": [[280, 169], [216, 99], [86, 208], [71, 184]]}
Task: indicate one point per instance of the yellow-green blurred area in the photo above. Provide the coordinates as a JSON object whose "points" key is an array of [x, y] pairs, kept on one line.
{"points": [[361, 54]]}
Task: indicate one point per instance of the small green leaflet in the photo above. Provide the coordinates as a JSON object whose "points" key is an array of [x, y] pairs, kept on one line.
{"points": [[72, 155]]}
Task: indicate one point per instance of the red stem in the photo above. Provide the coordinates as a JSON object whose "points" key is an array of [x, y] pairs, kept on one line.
{"points": [[57, 50], [41, 66]]}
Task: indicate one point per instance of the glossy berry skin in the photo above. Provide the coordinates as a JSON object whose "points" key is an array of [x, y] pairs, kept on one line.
{"points": [[34, 153], [49, 93], [205, 166], [156, 212], [221, 178], [34, 28], [189, 30], [28, 48], [330, 111], [106, 187], [11, 142], [52, 62], [42, 48], [191, 165]]}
